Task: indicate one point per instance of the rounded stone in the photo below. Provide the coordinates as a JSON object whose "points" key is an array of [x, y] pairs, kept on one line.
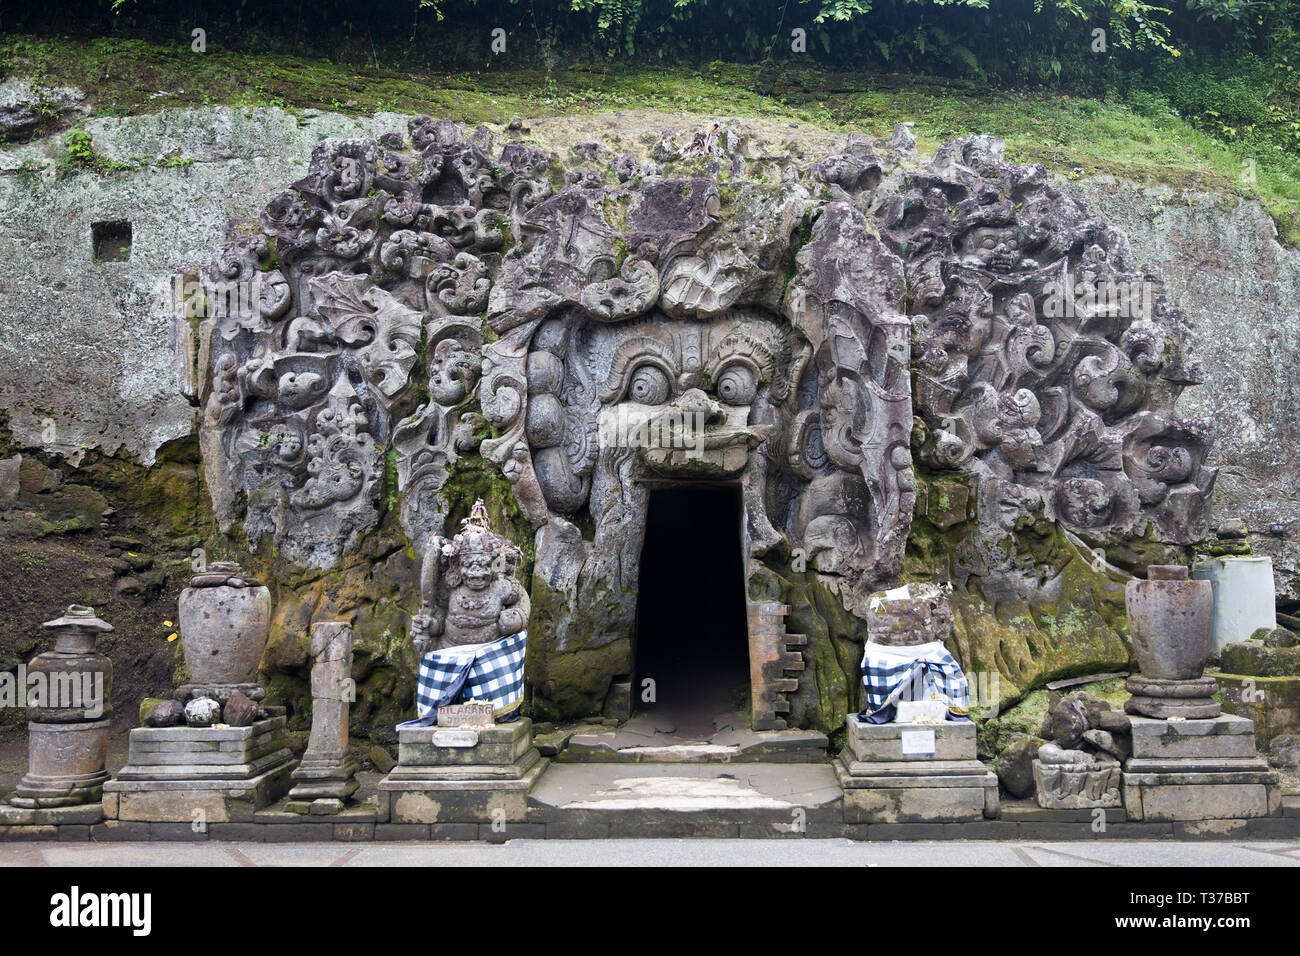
{"points": [[202, 712]]}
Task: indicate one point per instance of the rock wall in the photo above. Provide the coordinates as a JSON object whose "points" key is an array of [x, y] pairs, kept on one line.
{"points": [[94, 370], [1240, 291]]}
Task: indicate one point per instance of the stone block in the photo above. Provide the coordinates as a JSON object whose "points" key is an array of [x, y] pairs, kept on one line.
{"points": [[871, 742], [1165, 801], [85, 814], [237, 832], [500, 745], [114, 831], [356, 831], [1061, 788], [880, 804], [457, 801], [184, 801], [402, 831], [1216, 737]]}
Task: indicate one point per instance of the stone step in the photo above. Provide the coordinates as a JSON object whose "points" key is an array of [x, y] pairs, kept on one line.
{"points": [[728, 746], [673, 791]]}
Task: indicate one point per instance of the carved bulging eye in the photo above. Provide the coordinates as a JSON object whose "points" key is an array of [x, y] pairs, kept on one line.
{"points": [[649, 386], [737, 385], [988, 242]]}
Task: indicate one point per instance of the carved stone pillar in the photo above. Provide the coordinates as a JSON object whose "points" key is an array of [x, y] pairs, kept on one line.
{"points": [[326, 776]]}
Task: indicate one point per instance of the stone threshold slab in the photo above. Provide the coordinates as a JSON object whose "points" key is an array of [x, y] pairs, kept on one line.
{"points": [[686, 787]]}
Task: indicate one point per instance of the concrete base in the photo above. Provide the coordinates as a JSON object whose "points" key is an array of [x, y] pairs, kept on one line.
{"points": [[914, 773], [182, 774], [1192, 770], [424, 797]]}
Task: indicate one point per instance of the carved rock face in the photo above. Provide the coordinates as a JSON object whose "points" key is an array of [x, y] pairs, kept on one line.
{"points": [[802, 335]]}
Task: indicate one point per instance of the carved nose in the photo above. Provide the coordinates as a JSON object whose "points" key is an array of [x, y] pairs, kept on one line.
{"points": [[693, 401]]}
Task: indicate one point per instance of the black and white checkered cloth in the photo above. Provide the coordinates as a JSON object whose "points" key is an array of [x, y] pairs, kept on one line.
{"points": [[920, 672], [494, 672]]}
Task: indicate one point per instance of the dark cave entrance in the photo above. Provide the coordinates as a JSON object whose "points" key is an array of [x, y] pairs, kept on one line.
{"points": [[691, 632]]}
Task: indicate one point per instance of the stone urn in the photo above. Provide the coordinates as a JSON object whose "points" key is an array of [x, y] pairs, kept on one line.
{"points": [[1170, 619], [67, 730], [225, 618]]}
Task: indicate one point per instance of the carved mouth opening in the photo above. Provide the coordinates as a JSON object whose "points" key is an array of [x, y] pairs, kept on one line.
{"points": [[691, 635]]}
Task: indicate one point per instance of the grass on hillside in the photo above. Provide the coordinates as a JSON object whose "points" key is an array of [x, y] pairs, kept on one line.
{"points": [[1075, 136]]}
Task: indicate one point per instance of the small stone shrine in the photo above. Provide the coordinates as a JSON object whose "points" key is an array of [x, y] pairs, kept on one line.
{"points": [[232, 758], [456, 762], [916, 766], [1189, 762], [68, 692]]}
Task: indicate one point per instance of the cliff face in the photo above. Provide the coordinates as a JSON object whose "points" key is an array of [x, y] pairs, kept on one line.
{"points": [[1240, 291], [101, 496]]}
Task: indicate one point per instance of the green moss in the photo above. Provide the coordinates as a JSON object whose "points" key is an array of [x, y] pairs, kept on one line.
{"points": [[1081, 137]]}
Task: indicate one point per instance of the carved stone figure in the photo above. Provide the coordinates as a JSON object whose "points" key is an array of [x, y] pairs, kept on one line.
{"points": [[467, 589], [826, 337]]}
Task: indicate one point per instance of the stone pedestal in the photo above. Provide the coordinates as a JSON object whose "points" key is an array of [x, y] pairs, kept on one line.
{"points": [[1198, 770], [65, 765], [461, 774], [222, 773], [325, 777], [914, 773]]}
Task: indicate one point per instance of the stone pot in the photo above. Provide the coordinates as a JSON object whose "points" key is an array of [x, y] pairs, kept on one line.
{"points": [[1170, 619], [225, 618], [1244, 597]]}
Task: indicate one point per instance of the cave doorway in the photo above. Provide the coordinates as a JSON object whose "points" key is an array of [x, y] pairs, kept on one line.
{"points": [[691, 634]]}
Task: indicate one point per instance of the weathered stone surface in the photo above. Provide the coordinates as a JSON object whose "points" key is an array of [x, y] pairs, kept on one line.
{"points": [[24, 107], [1284, 751], [1016, 764], [202, 712], [239, 711], [326, 776], [1238, 287], [1256, 659], [572, 672]]}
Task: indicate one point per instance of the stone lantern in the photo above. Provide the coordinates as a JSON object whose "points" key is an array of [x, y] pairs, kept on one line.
{"points": [[68, 691]]}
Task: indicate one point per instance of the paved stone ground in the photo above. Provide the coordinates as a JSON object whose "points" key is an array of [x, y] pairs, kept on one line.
{"points": [[643, 853]]}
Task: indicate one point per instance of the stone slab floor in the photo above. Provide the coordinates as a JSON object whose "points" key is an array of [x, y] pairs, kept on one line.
{"points": [[644, 853]]}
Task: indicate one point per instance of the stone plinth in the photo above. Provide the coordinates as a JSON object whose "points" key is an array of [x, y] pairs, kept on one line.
{"points": [[65, 765], [1198, 770], [461, 774], [225, 773], [914, 773]]}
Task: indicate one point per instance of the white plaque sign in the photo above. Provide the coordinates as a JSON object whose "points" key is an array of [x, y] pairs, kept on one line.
{"points": [[458, 737], [918, 742]]}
